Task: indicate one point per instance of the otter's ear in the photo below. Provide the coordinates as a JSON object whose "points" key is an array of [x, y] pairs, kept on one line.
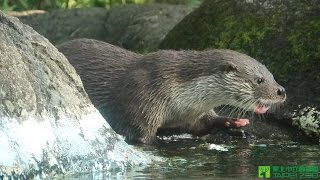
{"points": [[230, 68]]}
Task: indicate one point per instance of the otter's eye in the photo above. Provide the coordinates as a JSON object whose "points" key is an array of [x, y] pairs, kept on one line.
{"points": [[260, 80]]}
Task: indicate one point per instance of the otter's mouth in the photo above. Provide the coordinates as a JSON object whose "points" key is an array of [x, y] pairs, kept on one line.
{"points": [[261, 108]]}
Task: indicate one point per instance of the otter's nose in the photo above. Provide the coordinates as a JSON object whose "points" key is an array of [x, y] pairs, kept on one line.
{"points": [[281, 91]]}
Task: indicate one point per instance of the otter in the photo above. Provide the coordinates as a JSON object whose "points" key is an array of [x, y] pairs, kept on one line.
{"points": [[138, 94]]}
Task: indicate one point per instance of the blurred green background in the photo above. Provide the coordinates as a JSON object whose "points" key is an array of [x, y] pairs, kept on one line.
{"points": [[22, 5]]}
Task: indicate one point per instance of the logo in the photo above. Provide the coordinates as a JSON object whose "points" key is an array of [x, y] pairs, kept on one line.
{"points": [[301, 172], [264, 171]]}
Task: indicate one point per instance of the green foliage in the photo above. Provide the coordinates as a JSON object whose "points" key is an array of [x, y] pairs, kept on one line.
{"points": [[21, 5], [4, 6]]}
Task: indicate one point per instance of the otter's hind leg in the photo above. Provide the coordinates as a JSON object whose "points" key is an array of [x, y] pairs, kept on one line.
{"points": [[148, 130], [141, 136]]}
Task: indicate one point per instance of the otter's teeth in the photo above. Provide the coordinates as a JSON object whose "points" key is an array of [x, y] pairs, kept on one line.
{"points": [[261, 109]]}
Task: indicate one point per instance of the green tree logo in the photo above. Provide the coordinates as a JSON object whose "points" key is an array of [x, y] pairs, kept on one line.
{"points": [[264, 171]]}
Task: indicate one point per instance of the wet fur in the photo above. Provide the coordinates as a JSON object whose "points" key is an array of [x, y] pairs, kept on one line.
{"points": [[138, 94]]}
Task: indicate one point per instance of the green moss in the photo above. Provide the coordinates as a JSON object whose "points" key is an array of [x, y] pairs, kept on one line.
{"points": [[282, 34]]}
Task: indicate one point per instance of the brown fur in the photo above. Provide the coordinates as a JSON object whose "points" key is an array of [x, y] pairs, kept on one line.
{"points": [[138, 94]]}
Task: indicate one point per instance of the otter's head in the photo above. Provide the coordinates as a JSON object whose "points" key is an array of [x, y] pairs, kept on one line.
{"points": [[247, 83]]}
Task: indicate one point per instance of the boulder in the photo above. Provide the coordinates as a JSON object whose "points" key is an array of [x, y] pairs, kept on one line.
{"points": [[142, 27], [282, 34], [62, 25], [135, 27], [48, 125]]}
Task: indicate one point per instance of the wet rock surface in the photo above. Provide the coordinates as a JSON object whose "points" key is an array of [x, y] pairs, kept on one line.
{"points": [[48, 125]]}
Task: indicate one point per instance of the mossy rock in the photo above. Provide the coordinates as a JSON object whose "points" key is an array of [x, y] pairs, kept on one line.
{"points": [[283, 34]]}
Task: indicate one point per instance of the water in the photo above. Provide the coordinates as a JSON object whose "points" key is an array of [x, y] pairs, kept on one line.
{"points": [[194, 159]]}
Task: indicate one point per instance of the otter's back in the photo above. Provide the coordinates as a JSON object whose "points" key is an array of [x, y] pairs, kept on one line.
{"points": [[90, 58]]}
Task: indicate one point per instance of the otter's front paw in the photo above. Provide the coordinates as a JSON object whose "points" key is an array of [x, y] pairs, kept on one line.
{"points": [[236, 123]]}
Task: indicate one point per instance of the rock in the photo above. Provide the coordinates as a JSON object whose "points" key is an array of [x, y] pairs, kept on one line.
{"points": [[271, 30], [142, 27], [308, 119], [48, 125], [62, 25], [136, 27], [281, 34]]}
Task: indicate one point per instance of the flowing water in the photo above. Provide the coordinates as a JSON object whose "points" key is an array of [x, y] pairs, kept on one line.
{"points": [[189, 158]]}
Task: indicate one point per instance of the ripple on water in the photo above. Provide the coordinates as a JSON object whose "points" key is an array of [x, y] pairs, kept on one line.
{"points": [[194, 159]]}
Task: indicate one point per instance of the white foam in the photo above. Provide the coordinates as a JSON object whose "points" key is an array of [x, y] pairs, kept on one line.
{"points": [[217, 147], [24, 142]]}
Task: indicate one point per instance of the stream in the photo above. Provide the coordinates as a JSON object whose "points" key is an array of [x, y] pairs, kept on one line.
{"points": [[189, 158]]}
